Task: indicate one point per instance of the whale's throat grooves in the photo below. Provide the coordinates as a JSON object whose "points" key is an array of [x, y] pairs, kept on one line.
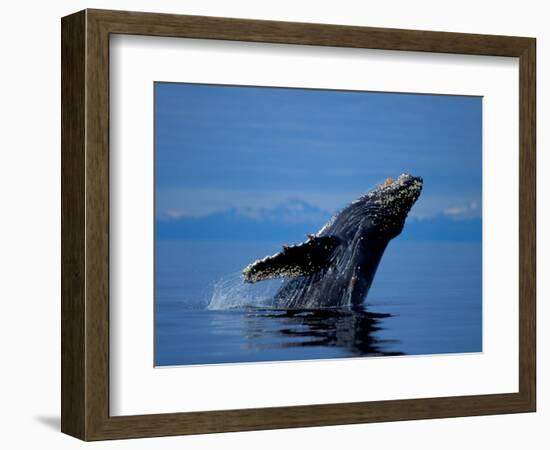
{"points": [[344, 283]]}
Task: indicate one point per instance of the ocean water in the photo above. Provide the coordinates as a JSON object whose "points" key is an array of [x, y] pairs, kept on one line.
{"points": [[426, 298]]}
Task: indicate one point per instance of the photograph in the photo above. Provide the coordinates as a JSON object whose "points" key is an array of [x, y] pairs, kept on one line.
{"points": [[296, 224]]}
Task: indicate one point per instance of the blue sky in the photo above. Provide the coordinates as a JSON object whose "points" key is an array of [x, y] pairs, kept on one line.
{"points": [[249, 149]]}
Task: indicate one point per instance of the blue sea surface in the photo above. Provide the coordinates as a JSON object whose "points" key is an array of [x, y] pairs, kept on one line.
{"points": [[426, 298]]}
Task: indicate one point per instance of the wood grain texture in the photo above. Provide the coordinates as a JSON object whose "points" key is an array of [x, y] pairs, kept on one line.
{"points": [[85, 224], [527, 224], [152, 24], [73, 226], [97, 225]]}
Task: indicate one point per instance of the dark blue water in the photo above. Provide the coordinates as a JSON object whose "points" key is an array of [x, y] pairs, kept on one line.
{"points": [[425, 299]]}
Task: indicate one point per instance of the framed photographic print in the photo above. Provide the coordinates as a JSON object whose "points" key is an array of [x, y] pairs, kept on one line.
{"points": [[271, 224]]}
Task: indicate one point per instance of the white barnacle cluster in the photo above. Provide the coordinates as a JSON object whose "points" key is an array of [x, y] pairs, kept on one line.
{"points": [[394, 198], [263, 269], [388, 193], [398, 189], [250, 275]]}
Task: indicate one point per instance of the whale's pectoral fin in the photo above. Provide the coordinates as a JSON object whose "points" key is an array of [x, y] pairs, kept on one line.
{"points": [[293, 261]]}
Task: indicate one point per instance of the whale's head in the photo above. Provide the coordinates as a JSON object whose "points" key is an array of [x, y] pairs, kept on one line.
{"points": [[381, 212], [388, 205]]}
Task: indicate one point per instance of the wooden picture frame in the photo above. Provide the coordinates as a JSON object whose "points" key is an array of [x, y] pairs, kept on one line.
{"points": [[85, 224]]}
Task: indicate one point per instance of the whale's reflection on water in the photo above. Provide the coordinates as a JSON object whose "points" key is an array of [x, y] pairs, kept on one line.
{"points": [[352, 330], [434, 307], [258, 334]]}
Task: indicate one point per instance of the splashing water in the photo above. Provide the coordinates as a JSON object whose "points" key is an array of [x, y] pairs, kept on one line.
{"points": [[232, 292]]}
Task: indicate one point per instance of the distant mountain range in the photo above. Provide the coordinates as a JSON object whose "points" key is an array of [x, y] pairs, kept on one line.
{"points": [[442, 228], [293, 220]]}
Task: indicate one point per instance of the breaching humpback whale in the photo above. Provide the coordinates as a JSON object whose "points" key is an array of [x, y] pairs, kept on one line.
{"points": [[335, 267]]}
